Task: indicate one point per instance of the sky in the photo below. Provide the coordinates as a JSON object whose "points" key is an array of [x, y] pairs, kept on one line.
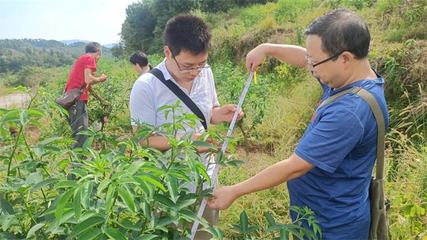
{"points": [[91, 20]]}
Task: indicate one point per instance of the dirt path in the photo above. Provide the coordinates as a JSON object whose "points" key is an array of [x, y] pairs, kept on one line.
{"points": [[15, 100]]}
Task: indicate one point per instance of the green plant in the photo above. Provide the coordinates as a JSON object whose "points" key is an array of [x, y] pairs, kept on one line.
{"points": [[123, 191], [278, 231]]}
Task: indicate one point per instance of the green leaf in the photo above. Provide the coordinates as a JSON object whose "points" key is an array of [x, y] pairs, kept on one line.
{"points": [[297, 234], [62, 202], [284, 234], [49, 141], [43, 183], [270, 219], [163, 221], [34, 113], [111, 192], [172, 185], [202, 144], [235, 163], [77, 204], [90, 234], [66, 184], [86, 194], [7, 220], [185, 203], [34, 178], [151, 179], [114, 234], [6, 207], [103, 185], [201, 169], [181, 174], [11, 116], [188, 215], [146, 209], [317, 230], [274, 228], [34, 229], [87, 224], [216, 232], [125, 223], [147, 237], [244, 222], [252, 228], [23, 117], [135, 167], [127, 197], [146, 188], [164, 200]]}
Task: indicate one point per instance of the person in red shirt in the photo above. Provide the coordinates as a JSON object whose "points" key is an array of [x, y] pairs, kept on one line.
{"points": [[82, 76]]}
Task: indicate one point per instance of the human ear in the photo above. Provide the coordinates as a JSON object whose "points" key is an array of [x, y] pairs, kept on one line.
{"points": [[347, 57], [167, 52]]}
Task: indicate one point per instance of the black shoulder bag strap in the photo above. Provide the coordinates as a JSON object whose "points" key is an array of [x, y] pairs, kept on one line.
{"points": [[181, 95]]}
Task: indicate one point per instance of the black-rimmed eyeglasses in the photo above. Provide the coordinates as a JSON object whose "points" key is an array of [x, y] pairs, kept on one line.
{"points": [[313, 65], [189, 69]]}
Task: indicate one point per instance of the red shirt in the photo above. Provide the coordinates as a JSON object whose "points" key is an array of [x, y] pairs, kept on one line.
{"points": [[76, 78]]}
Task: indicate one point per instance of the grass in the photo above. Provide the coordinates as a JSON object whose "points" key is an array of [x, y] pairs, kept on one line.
{"points": [[256, 204], [280, 130], [5, 91]]}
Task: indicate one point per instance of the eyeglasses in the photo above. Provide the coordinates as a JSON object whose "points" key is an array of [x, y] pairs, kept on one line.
{"points": [[189, 69], [313, 65]]}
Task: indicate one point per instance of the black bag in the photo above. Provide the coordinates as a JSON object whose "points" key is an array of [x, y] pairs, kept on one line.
{"points": [[181, 95], [68, 99], [379, 223]]}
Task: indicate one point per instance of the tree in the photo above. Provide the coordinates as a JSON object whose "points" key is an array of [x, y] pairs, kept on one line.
{"points": [[117, 51], [145, 22], [137, 30]]}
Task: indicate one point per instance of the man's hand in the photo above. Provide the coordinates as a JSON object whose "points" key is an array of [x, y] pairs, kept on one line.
{"points": [[255, 57], [223, 197], [102, 78], [225, 113]]}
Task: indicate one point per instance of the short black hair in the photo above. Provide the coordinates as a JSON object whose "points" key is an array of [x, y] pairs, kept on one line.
{"points": [[92, 47], [342, 30], [139, 58], [187, 32]]}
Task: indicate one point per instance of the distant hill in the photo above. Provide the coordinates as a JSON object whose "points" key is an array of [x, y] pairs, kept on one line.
{"points": [[110, 45], [72, 41], [16, 54]]}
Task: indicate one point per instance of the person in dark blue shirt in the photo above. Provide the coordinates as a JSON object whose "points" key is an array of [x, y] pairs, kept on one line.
{"points": [[330, 169]]}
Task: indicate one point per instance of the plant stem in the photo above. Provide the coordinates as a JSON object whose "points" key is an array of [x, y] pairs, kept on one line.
{"points": [[13, 151]]}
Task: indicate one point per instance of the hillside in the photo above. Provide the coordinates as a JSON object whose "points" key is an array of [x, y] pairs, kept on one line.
{"points": [[16, 54]]}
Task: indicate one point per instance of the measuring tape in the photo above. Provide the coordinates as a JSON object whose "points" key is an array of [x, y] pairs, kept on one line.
{"points": [[214, 178]]}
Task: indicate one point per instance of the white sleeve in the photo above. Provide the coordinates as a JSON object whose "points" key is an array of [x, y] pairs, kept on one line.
{"points": [[141, 103]]}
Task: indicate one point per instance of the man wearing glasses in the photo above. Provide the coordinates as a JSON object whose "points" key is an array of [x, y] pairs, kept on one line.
{"points": [[187, 41], [330, 169]]}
